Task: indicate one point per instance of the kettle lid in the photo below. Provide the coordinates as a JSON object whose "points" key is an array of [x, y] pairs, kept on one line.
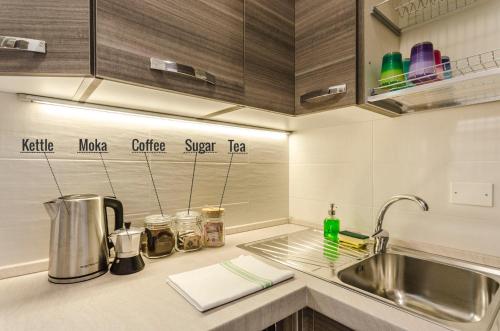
{"points": [[85, 196]]}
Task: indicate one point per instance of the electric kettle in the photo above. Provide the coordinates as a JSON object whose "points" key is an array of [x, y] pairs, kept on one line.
{"points": [[79, 245]]}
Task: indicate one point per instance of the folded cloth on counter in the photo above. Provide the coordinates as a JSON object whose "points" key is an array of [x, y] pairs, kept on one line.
{"points": [[217, 284]]}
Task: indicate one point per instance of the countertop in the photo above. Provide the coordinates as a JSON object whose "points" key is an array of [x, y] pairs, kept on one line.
{"points": [[143, 301]]}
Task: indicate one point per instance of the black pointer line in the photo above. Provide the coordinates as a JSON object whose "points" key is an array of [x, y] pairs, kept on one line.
{"points": [[192, 182], [57, 184], [107, 175], [225, 183], [152, 180]]}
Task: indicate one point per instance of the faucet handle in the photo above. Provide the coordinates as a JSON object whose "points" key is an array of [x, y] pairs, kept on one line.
{"points": [[381, 240]]}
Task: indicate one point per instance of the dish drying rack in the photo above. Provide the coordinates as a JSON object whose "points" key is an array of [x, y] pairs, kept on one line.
{"points": [[400, 15], [307, 251], [461, 67], [475, 79]]}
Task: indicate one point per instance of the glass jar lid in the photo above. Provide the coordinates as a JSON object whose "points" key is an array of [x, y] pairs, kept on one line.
{"points": [[158, 220], [212, 212], [185, 216]]}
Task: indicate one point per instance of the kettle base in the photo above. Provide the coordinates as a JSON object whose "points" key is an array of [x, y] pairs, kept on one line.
{"points": [[72, 280], [127, 265]]}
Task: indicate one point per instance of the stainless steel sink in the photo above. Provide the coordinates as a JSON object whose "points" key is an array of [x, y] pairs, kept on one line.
{"points": [[452, 295]]}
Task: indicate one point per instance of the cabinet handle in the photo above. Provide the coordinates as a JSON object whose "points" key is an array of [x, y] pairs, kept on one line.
{"points": [[182, 69], [23, 44], [319, 95]]}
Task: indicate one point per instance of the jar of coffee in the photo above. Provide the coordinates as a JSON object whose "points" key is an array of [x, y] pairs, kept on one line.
{"points": [[188, 231], [213, 227], [158, 238]]}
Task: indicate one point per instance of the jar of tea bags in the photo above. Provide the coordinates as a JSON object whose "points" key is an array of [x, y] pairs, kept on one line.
{"points": [[213, 227], [158, 238], [189, 231]]}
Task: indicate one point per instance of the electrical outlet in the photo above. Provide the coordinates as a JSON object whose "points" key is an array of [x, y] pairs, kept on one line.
{"points": [[475, 194]]}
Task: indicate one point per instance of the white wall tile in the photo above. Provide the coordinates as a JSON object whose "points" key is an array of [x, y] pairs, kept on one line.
{"points": [[173, 180], [64, 126], [344, 143], [273, 209], [440, 229], [352, 217], [337, 182], [257, 189], [332, 165], [268, 150], [267, 181], [415, 154], [24, 242]]}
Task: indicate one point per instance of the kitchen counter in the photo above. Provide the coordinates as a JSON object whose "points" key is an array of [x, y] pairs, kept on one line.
{"points": [[143, 301]]}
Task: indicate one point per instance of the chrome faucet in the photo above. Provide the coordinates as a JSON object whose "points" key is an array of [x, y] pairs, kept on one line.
{"points": [[380, 235]]}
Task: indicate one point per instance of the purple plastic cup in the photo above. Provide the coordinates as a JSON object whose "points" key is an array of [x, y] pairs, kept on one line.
{"points": [[422, 65]]}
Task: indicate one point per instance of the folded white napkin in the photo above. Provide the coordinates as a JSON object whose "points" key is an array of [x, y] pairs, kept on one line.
{"points": [[217, 284]]}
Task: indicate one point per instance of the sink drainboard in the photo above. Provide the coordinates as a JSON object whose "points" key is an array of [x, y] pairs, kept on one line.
{"points": [[307, 251]]}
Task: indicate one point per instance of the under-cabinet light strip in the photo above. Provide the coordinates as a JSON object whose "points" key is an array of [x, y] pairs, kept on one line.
{"points": [[158, 118]]}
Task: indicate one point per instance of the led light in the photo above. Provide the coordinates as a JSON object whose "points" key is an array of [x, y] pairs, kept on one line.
{"points": [[134, 118]]}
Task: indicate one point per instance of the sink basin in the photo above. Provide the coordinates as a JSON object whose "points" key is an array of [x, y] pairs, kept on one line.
{"points": [[456, 294], [437, 290]]}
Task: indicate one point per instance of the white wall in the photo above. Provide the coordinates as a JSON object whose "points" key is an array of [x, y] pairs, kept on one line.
{"points": [[257, 190], [361, 165], [468, 32]]}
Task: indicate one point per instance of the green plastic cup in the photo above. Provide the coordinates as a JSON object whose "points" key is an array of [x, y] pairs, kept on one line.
{"points": [[392, 71]]}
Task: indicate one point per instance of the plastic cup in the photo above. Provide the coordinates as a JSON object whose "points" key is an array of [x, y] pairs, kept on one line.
{"points": [[422, 65], [392, 70], [438, 63], [447, 74]]}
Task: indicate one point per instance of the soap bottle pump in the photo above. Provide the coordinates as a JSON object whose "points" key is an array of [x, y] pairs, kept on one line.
{"points": [[331, 225]]}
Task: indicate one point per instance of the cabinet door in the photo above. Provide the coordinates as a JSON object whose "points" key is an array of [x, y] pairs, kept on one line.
{"points": [[325, 41], [270, 54], [197, 44], [40, 37]]}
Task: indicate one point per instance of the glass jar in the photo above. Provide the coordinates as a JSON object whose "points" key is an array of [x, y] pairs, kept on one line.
{"points": [[188, 231], [213, 227], [158, 238]]}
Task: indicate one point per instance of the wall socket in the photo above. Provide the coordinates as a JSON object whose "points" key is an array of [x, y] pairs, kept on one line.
{"points": [[475, 194]]}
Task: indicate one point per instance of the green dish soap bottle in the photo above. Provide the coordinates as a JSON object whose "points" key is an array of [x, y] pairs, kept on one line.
{"points": [[331, 225]]}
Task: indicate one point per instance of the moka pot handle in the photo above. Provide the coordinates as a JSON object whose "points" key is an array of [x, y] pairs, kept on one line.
{"points": [[116, 205]]}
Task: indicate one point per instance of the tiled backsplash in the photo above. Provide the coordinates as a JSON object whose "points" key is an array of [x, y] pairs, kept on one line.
{"points": [[359, 166], [257, 190]]}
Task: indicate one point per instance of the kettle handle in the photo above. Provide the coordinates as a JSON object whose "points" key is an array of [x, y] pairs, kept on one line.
{"points": [[117, 207]]}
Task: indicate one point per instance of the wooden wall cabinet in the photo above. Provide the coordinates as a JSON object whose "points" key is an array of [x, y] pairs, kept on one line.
{"points": [[264, 54], [269, 55], [64, 26], [325, 54], [201, 38], [300, 48]]}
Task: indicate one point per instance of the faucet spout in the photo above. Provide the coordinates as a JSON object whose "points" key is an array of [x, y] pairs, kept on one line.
{"points": [[381, 236]]}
